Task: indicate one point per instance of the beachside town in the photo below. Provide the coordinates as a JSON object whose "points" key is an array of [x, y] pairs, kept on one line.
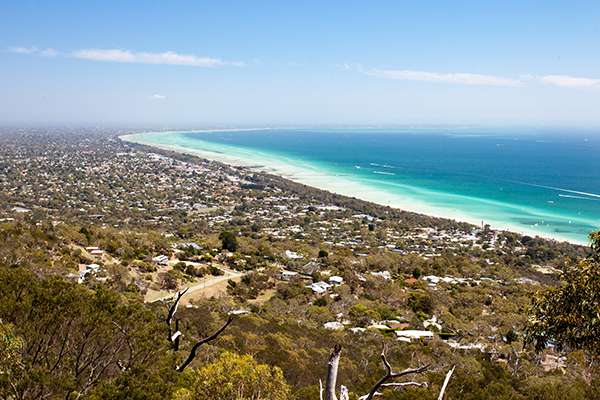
{"points": [[103, 211]]}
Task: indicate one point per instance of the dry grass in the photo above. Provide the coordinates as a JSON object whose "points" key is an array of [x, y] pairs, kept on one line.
{"points": [[263, 298], [215, 290]]}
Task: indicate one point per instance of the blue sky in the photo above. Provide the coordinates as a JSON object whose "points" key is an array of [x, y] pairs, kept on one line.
{"points": [[300, 63]]}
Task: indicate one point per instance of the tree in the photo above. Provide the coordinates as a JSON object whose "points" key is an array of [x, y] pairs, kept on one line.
{"points": [[239, 377], [332, 371], [421, 300], [416, 273], [76, 338], [175, 337], [362, 316], [570, 314], [80, 342], [10, 354], [228, 241]]}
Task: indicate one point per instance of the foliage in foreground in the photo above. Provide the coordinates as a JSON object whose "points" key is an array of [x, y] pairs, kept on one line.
{"points": [[77, 339], [237, 377], [570, 314]]}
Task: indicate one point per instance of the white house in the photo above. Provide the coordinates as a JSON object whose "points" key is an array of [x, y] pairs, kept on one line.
{"points": [[414, 335], [162, 259], [92, 267], [357, 329], [238, 312], [384, 274], [293, 255], [287, 275], [432, 322], [333, 325], [336, 280], [319, 287]]}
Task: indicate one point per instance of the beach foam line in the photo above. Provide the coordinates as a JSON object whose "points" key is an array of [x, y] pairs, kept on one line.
{"points": [[554, 188], [577, 197]]}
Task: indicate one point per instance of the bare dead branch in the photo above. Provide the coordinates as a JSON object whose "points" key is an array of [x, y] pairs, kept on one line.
{"points": [[129, 344], [332, 370], [344, 395], [200, 343], [175, 338], [448, 375], [390, 375], [402, 384], [173, 308], [320, 390], [121, 366]]}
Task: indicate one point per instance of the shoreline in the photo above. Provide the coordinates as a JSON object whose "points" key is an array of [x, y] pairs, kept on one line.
{"points": [[311, 176]]}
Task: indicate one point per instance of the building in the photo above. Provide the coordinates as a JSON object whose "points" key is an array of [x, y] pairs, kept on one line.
{"points": [[319, 287], [336, 280], [413, 335], [162, 259], [287, 275]]}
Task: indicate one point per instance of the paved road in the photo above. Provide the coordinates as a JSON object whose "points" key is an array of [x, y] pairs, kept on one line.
{"points": [[200, 286]]}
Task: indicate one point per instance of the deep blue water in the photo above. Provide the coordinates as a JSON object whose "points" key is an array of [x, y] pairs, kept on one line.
{"points": [[524, 168]]}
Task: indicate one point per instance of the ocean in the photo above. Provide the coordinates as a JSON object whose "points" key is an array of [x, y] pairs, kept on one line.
{"points": [[542, 182]]}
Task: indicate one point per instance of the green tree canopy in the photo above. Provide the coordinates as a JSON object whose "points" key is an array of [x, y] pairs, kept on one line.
{"points": [[570, 314], [362, 316], [228, 241], [76, 339]]}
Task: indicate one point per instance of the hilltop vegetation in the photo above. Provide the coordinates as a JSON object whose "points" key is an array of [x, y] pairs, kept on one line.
{"points": [[93, 230]]}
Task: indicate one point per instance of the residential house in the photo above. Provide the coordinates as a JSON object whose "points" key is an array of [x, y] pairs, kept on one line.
{"points": [[319, 287]]}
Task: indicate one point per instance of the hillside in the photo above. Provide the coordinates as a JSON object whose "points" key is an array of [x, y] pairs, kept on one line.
{"points": [[96, 232]]}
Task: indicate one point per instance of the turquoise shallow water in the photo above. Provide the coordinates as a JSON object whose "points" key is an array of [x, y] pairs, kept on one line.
{"points": [[543, 183]]}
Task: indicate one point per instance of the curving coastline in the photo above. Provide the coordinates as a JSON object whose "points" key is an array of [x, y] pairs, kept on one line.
{"points": [[313, 173]]}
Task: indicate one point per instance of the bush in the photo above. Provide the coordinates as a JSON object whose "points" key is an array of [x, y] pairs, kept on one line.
{"points": [[239, 377], [181, 266], [214, 271]]}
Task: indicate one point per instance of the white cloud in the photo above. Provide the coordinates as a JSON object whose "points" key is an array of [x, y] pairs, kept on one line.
{"points": [[157, 96], [566, 81], [126, 56], [49, 53], [465, 79], [22, 50]]}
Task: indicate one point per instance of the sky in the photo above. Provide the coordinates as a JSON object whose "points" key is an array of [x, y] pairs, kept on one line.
{"points": [[240, 63]]}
